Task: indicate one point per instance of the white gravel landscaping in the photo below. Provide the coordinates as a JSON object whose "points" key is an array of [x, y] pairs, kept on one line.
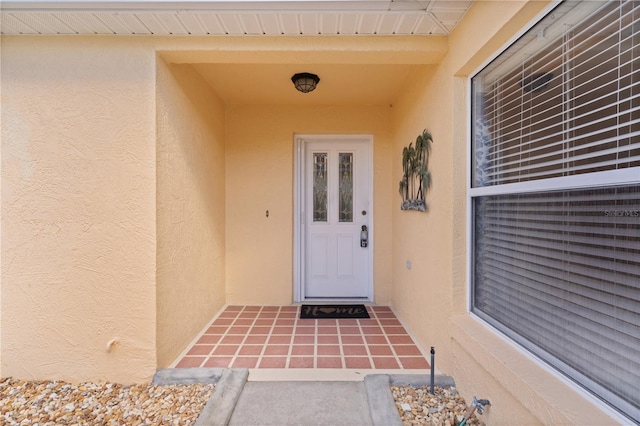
{"points": [[60, 403], [417, 406]]}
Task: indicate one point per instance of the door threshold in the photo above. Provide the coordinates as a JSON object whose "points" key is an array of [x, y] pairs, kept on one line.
{"points": [[337, 300]]}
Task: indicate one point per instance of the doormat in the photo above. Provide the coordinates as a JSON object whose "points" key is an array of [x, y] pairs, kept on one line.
{"points": [[333, 311]]}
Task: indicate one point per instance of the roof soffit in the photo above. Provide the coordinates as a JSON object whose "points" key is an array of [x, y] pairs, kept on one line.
{"points": [[233, 17]]}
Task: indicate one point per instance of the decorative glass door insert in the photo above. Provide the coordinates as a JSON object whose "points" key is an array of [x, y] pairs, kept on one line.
{"points": [[320, 187], [345, 189]]}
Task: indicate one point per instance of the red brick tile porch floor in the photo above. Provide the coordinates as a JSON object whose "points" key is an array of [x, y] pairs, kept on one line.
{"points": [[274, 337]]}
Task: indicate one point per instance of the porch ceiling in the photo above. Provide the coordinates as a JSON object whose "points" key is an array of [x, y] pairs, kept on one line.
{"points": [[264, 84]]}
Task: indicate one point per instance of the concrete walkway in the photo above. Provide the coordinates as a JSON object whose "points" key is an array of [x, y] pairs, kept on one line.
{"points": [[237, 401]]}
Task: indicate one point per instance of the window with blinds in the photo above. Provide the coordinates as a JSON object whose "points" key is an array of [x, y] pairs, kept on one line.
{"points": [[555, 192]]}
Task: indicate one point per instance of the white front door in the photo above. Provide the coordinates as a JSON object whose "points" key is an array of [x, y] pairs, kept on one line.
{"points": [[336, 207]]}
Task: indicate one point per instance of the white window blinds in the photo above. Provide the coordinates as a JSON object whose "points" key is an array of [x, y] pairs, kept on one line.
{"points": [[555, 191], [568, 105], [560, 273]]}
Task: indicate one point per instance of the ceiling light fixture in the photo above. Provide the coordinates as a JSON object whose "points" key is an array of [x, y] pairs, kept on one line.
{"points": [[305, 82]]}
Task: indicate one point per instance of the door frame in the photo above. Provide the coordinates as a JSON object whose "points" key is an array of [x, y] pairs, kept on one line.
{"points": [[300, 144]]}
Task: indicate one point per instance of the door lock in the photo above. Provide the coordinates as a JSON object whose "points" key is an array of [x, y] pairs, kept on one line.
{"points": [[364, 236]]}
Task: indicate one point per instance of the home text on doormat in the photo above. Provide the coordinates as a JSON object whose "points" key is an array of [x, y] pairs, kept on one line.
{"points": [[333, 311]]}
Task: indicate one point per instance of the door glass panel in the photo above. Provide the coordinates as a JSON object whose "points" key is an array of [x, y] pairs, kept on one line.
{"points": [[319, 186], [345, 205]]}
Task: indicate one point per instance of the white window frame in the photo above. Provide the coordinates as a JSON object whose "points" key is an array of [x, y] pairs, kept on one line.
{"points": [[627, 176]]}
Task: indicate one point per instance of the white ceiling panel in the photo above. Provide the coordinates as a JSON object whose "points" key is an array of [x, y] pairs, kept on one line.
{"points": [[349, 23], [193, 22], [309, 23], [387, 24], [368, 23], [234, 17], [151, 23], [405, 5], [83, 22], [111, 21], [447, 15], [428, 26], [270, 24], [51, 21], [132, 23], [250, 23], [290, 24], [173, 23], [40, 25], [329, 23], [231, 24], [408, 23], [11, 24], [211, 23], [162, 23]]}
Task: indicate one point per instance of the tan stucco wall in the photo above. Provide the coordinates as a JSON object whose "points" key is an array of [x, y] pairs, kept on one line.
{"points": [[116, 198], [190, 213], [1, 220], [78, 202], [431, 298], [259, 177]]}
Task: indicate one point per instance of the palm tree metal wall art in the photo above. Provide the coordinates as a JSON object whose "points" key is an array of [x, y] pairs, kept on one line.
{"points": [[416, 179]]}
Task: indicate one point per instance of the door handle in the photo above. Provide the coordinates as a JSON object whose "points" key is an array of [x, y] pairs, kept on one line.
{"points": [[364, 236]]}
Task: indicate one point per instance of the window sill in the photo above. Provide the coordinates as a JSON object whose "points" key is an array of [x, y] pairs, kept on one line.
{"points": [[542, 392]]}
